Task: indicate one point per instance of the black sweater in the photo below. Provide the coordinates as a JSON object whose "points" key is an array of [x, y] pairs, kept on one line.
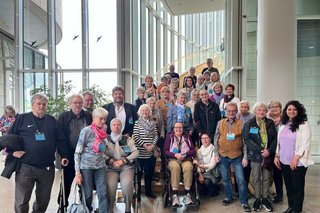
{"points": [[39, 153]]}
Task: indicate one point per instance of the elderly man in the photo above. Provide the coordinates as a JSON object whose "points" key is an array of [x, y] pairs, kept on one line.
{"points": [[206, 114], [119, 109], [72, 122], [88, 101], [230, 149], [179, 151], [210, 67], [41, 136], [172, 73]]}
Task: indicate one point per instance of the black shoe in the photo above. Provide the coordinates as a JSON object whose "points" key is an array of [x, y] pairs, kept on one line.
{"points": [[227, 202], [267, 205], [151, 195], [277, 199], [289, 210], [257, 205], [246, 207]]}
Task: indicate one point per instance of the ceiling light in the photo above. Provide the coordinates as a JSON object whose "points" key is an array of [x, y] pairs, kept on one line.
{"points": [[311, 47]]}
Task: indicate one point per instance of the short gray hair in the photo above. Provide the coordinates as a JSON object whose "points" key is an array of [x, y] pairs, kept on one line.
{"points": [[245, 102], [140, 89], [232, 104], [193, 91], [40, 96], [115, 120], [181, 93], [151, 99], [75, 96], [142, 107], [257, 105], [100, 112], [87, 93]]}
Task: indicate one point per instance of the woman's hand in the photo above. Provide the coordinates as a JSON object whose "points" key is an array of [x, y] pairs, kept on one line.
{"points": [[265, 153], [18, 154], [149, 147], [118, 163], [276, 162], [78, 178], [294, 163]]}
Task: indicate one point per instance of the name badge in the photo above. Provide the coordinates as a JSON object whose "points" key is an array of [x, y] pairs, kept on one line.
{"points": [[39, 136], [254, 130], [102, 147], [168, 104], [131, 120], [126, 149], [6, 124], [175, 151], [231, 137]]}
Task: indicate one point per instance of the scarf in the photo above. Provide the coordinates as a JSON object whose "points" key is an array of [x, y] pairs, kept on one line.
{"points": [[116, 138], [205, 154], [101, 134], [180, 109], [179, 145], [263, 132], [276, 120], [147, 125], [228, 99]]}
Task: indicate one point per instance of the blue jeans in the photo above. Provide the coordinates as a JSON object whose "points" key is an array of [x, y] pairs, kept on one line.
{"points": [[225, 163], [91, 178]]}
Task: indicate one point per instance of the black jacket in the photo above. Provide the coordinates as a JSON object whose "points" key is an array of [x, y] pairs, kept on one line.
{"points": [[131, 117], [253, 141], [12, 143], [64, 121], [207, 117]]}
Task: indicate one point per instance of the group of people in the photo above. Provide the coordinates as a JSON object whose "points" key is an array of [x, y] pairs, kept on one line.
{"points": [[196, 127]]}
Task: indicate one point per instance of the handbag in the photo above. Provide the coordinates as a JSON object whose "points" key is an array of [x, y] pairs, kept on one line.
{"points": [[267, 162], [80, 207], [156, 152]]}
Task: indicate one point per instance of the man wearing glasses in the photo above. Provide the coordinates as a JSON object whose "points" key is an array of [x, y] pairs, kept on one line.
{"points": [[230, 149]]}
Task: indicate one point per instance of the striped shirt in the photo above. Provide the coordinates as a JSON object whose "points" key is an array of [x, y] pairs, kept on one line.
{"points": [[142, 136]]}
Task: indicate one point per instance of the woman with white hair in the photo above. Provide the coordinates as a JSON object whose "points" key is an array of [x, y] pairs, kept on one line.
{"points": [[145, 135], [260, 136], [89, 159], [121, 152]]}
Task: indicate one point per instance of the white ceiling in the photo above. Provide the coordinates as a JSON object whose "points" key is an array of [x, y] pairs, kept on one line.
{"points": [[183, 7]]}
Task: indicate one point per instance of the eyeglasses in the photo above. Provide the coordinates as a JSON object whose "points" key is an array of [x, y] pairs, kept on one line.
{"points": [[205, 138], [178, 127]]}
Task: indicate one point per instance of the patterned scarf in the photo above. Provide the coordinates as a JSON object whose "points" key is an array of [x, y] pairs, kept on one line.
{"points": [[263, 132], [228, 99], [181, 109], [147, 125], [101, 134], [179, 144]]}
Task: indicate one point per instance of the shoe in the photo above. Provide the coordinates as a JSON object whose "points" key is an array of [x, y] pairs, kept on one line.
{"points": [[188, 199], [246, 207], [151, 195], [227, 202], [175, 200], [277, 199], [289, 210], [267, 205], [257, 205]]}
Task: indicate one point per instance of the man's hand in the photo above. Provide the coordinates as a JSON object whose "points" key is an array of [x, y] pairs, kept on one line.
{"points": [[244, 163], [18, 154], [64, 162]]}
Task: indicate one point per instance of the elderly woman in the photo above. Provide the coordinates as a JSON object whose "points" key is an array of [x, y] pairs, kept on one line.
{"points": [[244, 115], [7, 119], [121, 152], [174, 88], [293, 153], [200, 82], [90, 158], [164, 104], [217, 94], [179, 151], [275, 108], [229, 96], [214, 78], [145, 135], [209, 172], [260, 136], [195, 97], [151, 89], [180, 113]]}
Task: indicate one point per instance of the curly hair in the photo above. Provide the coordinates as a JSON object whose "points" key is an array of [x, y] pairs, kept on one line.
{"points": [[299, 119]]}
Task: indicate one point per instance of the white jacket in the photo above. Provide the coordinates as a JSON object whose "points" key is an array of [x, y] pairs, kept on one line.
{"points": [[303, 143]]}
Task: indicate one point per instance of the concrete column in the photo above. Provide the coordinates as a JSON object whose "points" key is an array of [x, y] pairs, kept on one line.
{"points": [[277, 51]]}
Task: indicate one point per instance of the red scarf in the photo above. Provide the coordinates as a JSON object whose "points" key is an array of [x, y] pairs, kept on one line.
{"points": [[100, 135]]}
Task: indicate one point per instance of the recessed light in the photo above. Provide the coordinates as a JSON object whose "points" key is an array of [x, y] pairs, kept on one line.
{"points": [[311, 47]]}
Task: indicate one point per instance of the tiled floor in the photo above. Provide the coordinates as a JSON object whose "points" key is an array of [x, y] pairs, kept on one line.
{"points": [[311, 203]]}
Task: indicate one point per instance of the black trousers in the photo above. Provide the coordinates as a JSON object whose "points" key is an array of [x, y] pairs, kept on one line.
{"points": [[278, 180], [294, 181], [69, 174], [146, 166]]}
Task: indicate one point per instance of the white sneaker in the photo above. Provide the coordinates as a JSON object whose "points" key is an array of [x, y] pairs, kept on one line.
{"points": [[187, 199], [175, 200]]}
